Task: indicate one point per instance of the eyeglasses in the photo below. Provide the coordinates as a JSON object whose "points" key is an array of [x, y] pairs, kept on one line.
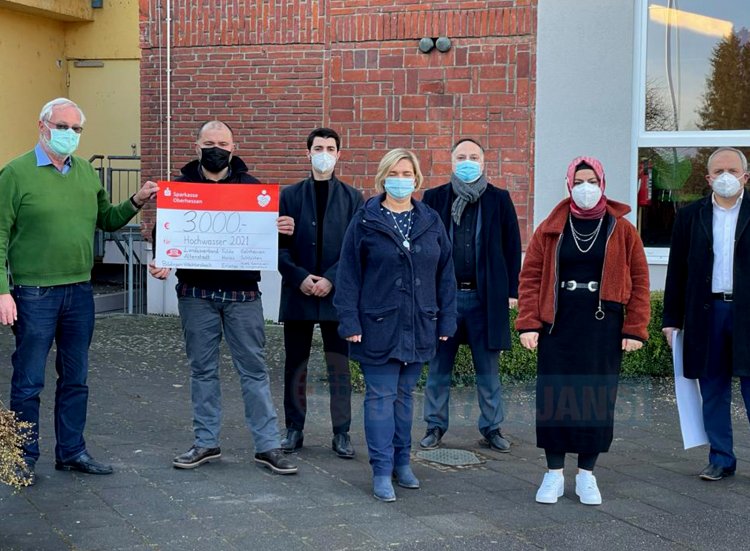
{"points": [[62, 126]]}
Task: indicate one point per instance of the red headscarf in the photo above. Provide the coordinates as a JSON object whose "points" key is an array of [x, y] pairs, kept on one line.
{"points": [[598, 210]]}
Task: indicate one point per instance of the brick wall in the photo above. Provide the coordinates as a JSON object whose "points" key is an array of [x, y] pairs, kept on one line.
{"points": [[276, 69]]}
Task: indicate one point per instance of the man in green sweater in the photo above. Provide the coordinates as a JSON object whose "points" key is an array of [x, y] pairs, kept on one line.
{"points": [[50, 204]]}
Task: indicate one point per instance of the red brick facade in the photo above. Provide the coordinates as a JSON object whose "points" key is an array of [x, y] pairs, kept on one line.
{"points": [[276, 69]]}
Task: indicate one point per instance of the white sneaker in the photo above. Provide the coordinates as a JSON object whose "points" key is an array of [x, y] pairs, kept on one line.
{"points": [[587, 489], [552, 487]]}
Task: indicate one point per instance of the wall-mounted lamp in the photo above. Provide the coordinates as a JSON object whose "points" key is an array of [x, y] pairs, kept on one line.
{"points": [[443, 44], [426, 44]]}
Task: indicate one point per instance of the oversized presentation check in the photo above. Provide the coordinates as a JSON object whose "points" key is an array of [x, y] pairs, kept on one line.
{"points": [[217, 226]]}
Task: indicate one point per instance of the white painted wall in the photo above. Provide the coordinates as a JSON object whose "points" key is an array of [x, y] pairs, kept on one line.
{"points": [[584, 100], [584, 89]]}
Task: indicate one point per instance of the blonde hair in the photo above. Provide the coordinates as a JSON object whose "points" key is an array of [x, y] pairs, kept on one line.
{"points": [[389, 160]]}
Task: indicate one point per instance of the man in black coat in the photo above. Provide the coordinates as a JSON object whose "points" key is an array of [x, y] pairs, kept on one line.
{"points": [[322, 207], [483, 226], [707, 296], [216, 302]]}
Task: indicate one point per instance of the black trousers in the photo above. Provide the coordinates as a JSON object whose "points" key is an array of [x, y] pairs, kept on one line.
{"points": [[556, 460], [297, 342]]}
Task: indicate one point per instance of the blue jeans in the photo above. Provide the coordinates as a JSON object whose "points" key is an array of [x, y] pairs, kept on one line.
{"points": [[716, 388], [242, 324], [63, 314], [472, 328], [389, 410]]}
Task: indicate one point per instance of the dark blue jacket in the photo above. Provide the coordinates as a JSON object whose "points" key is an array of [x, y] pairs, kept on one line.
{"points": [[498, 253], [400, 301]]}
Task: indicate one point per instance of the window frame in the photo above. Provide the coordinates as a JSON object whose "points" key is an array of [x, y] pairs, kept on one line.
{"points": [[641, 138]]}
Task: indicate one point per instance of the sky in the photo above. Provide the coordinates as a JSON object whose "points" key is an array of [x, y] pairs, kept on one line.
{"points": [[691, 49]]}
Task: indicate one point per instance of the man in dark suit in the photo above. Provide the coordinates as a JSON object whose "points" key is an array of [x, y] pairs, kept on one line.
{"points": [[321, 206], [482, 223], [707, 297]]}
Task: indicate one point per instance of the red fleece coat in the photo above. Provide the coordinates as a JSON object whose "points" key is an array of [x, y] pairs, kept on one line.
{"points": [[625, 278]]}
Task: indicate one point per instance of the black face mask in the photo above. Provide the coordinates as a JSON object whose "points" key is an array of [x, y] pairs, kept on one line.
{"points": [[215, 159]]}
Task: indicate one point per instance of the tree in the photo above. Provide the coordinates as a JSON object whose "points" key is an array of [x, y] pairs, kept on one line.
{"points": [[727, 95], [659, 116]]}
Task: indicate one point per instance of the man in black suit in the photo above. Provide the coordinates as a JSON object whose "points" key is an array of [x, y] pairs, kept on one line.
{"points": [[321, 206], [482, 223], [707, 297]]}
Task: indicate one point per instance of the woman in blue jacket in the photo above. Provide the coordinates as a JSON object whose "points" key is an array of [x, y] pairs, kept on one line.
{"points": [[395, 297]]}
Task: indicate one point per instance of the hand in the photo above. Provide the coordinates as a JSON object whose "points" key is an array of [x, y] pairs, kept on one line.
{"points": [[529, 340], [146, 193], [630, 345], [8, 312], [669, 334], [158, 273], [322, 287], [443, 338], [354, 338], [308, 284], [285, 225], [512, 303]]}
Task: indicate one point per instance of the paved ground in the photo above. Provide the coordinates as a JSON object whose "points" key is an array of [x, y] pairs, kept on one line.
{"points": [[139, 418]]}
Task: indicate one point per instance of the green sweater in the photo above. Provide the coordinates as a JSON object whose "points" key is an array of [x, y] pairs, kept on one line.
{"points": [[47, 221]]}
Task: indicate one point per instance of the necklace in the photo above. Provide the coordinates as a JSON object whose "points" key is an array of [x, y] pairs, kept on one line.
{"points": [[404, 236], [582, 239]]}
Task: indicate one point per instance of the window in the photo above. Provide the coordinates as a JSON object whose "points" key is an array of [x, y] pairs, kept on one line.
{"points": [[669, 178], [692, 95]]}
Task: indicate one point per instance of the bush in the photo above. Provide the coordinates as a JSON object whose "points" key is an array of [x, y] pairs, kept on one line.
{"points": [[655, 358], [519, 364], [13, 435]]}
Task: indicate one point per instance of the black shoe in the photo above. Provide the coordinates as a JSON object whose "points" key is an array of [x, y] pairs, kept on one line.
{"points": [[714, 472], [84, 463], [275, 460], [26, 474], [342, 445], [495, 441], [292, 441], [195, 457], [431, 438]]}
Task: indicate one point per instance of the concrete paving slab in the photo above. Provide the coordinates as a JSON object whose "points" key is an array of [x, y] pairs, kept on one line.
{"points": [[139, 419]]}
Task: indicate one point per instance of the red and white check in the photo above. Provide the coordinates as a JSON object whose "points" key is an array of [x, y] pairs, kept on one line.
{"points": [[217, 226]]}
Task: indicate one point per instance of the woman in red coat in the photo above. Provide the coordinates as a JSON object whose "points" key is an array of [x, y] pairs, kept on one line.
{"points": [[583, 299]]}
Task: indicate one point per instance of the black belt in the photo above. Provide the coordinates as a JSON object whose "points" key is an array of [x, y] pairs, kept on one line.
{"points": [[726, 297], [467, 285], [572, 285]]}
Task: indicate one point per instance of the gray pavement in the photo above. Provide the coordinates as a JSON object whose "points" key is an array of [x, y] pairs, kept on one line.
{"points": [[139, 418]]}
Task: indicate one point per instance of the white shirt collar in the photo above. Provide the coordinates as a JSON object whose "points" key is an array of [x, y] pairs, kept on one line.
{"points": [[735, 206]]}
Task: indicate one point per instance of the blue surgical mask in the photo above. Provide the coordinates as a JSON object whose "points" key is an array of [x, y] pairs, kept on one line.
{"points": [[399, 188], [63, 142], [468, 171]]}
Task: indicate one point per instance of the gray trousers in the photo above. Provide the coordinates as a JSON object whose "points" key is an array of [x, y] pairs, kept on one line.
{"points": [[242, 324]]}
